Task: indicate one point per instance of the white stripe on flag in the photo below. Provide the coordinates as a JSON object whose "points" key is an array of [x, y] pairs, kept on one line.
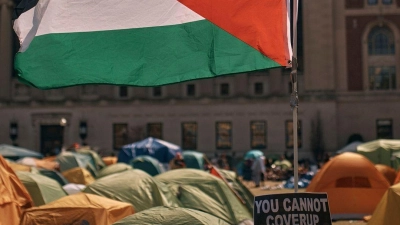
{"points": [[60, 16]]}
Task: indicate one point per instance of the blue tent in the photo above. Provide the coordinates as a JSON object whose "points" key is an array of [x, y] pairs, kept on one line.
{"points": [[161, 150], [15, 153]]}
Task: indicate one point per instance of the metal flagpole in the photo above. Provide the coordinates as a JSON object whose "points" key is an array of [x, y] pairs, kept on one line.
{"points": [[294, 98]]}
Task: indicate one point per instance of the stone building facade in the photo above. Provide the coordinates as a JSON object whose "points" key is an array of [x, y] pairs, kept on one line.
{"points": [[348, 86]]}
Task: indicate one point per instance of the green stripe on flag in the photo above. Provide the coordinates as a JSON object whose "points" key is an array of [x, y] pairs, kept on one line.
{"points": [[139, 57]]}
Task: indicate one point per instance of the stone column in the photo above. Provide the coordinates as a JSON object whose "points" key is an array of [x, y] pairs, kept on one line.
{"points": [[6, 49]]}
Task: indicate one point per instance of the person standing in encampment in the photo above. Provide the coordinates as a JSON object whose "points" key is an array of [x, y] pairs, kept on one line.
{"points": [[258, 170], [177, 162]]}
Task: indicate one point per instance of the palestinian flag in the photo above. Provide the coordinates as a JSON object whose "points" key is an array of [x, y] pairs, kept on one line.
{"points": [[147, 42]]}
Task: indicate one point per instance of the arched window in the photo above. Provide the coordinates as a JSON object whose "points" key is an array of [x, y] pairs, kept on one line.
{"points": [[381, 41], [381, 59]]}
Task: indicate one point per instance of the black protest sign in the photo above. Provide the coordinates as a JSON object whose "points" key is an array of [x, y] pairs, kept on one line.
{"points": [[292, 209]]}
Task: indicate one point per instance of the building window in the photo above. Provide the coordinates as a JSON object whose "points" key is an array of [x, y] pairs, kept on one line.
{"points": [[120, 135], [354, 4], [224, 89], [123, 92], [380, 41], [224, 135], [387, 2], [157, 92], [384, 129], [189, 135], [382, 77], [372, 2], [258, 134], [289, 134], [258, 88], [154, 130], [190, 90], [380, 68]]}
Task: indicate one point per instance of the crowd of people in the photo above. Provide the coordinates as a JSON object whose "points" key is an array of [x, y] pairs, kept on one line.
{"points": [[261, 169]]}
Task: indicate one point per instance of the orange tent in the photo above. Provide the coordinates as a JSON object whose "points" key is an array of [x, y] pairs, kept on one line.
{"points": [[109, 160], [33, 162], [19, 167], [388, 172], [50, 158], [13, 195], [78, 175], [79, 208], [353, 184]]}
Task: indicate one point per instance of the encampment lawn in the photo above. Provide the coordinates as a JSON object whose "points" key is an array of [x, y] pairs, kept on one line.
{"points": [[260, 191]]}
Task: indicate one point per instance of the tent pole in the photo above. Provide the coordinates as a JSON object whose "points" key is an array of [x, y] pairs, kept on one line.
{"points": [[294, 99]]}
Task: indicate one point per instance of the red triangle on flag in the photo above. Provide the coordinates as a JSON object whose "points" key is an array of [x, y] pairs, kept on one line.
{"points": [[261, 24], [215, 172]]}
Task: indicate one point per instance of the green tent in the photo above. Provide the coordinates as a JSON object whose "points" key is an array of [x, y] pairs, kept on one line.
{"points": [[171, 216], [54, 175], [396, 160], [380, 151], [148, 164], [135, 187], [284, 164], [193, 159], [97, 161], [113, 168], [15, 153], [41, 188], [70, 160], [238, 186], [199, 190]]}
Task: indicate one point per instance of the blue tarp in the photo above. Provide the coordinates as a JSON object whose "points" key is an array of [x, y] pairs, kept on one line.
{"points": [[161, 150], [253, 154], [303, 182]]}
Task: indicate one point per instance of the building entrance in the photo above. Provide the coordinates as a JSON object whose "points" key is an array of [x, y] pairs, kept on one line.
{"points": [[51, 139]]}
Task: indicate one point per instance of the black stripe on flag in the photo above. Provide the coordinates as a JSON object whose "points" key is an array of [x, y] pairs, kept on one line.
{"points": [[23, 6]]}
